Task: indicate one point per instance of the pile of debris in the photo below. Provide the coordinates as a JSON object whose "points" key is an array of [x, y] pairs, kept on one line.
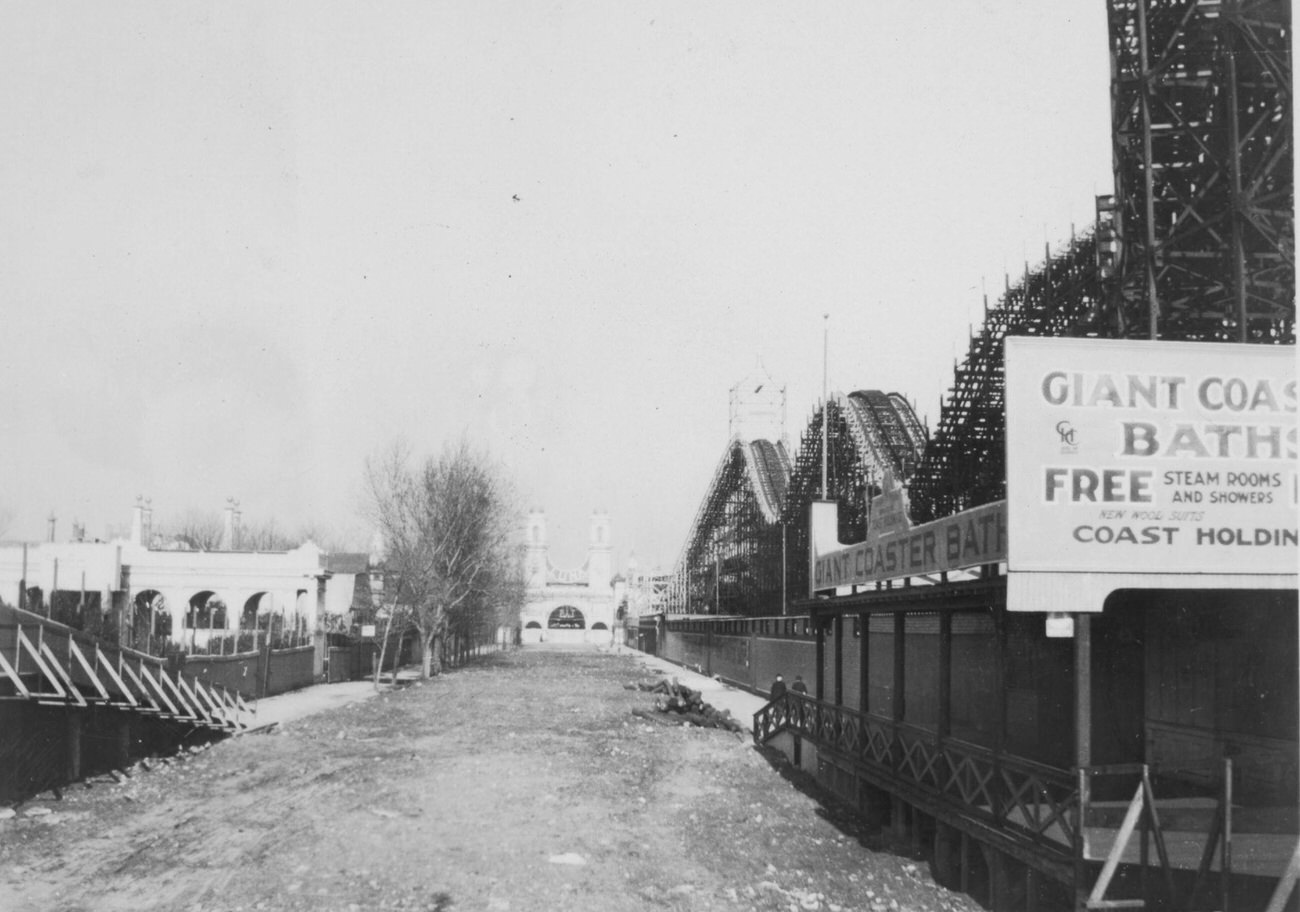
{"points": [[686, 705]]}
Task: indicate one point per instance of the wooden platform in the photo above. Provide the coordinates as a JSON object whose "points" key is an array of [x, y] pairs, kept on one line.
{"points": [[1263, 839]]}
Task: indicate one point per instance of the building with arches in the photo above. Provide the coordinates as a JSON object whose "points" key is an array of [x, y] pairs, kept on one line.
{"points": [[185, 597], [569, 606]]}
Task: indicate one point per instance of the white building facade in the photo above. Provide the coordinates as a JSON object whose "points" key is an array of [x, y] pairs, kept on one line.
{"points": [[569, 606], [188, 597]]}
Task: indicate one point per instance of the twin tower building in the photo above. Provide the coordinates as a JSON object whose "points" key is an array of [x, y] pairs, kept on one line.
{"points": [[569, 605]]}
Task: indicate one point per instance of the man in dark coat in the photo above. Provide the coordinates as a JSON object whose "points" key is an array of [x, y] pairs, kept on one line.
{"points": [[778, 688], [799, 686]]}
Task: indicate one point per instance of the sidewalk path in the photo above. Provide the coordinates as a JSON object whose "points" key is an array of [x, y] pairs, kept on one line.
{"points": [[296, 704]]}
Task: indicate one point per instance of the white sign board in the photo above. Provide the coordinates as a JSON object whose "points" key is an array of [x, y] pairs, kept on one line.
{"points": [[1150, 457], [367, 630]]}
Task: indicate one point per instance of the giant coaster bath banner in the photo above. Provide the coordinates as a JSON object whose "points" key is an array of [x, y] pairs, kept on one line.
{"points": [[1150, 457]]}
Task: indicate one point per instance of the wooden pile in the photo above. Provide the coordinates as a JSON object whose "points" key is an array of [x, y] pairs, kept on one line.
{"points": [[685, 705]]}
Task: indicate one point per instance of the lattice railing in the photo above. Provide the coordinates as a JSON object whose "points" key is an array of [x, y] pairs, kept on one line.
{"points": [[1032, 799]]}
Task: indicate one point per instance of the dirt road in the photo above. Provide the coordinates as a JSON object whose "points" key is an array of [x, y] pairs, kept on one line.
{"points": [[523, 783]]}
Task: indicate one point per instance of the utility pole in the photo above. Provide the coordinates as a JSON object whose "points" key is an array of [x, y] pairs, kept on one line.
{"points": [[825, 401]]}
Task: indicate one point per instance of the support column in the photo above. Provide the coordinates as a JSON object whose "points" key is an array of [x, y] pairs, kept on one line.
{"points": [[74, 725], [317, 628], [839, 659], [1000, 680], [864, 652], [819, 684], [900, 656], [1083, 741], [998, 864], [945, 675], [122, 742], [998, 788], [1082, 691]]}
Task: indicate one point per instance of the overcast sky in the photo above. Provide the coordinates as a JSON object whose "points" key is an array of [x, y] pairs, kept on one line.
{"points": [[246, 245]]}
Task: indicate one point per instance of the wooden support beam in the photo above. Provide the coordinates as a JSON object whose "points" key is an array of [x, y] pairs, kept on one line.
{"points": [[103, 663], [139, 685], [122, 741], [1286, 885], [159, 691], [80, 658], [1131, 816], [999, 894], [197, 709], [839, 659], [864, 654], [12, 674], [945, 675], [820, 638], [71, 691], [900, 657], [73, 744], [1082, 691], [34, 652]]}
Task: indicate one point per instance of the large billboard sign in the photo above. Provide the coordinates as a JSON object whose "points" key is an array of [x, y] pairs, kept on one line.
{"points": [[1150, 457]]}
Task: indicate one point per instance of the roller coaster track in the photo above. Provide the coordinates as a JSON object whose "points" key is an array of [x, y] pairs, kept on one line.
{"points": [[885, 430], [1197, 243], [751, 515], [766, 467], [769, 475]]}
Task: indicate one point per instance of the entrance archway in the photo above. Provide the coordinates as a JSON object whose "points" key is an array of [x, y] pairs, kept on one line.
{"points": [[566, 617], [566, 624]]}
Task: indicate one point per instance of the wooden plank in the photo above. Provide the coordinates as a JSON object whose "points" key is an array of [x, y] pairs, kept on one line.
{"points": [[72, 691], [1102, 883], [41, 667], [139, 685], [1158, 834], [1286, 885], [158, 689], [186, 696], [75, 651], [12, 675], [121, 685]]}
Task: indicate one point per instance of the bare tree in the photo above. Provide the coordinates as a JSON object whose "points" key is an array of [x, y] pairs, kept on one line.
{"points": [[197, 530], [447, 531], [266, 536]]}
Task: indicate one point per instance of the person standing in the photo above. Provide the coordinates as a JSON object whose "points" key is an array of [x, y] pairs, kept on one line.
{"points": [[778, 689], [799, 686]]}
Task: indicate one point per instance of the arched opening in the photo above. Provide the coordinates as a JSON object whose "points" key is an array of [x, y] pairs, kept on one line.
{"points": [[151, 622], [256, 607], [566, 617], [266, 616], [206, 611], [205, 619], [599, 625], [252, 608], [533, 625]]}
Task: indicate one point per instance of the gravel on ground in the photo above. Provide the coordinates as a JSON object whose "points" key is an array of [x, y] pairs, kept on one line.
{"points": [[521, 782]]}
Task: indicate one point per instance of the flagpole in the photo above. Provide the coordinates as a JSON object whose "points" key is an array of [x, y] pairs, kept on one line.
{"points": [[825, 401]]}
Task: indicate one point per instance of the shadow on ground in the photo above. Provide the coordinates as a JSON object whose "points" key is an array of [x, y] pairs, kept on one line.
{"points": [[832, 809]]}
